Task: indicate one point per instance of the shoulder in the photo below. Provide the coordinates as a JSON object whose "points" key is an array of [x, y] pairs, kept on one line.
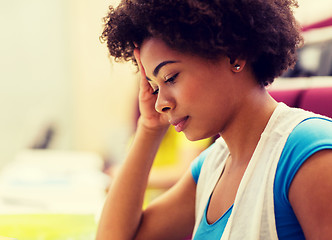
{"points": [[307, 138], [310, 195], [310, 136], [312, 129], [309, 151]]}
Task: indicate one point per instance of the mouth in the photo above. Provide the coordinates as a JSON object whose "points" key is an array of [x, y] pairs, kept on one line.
{"points": [[179, 124]]}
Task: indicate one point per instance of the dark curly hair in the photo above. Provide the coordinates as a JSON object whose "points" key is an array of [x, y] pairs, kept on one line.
{"points": [[264, 32]]}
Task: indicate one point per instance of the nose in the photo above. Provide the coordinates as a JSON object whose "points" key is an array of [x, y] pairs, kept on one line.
{"points": [[164, 102]]}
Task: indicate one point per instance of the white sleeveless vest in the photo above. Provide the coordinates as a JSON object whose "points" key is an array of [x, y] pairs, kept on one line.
{"points": [[252, 216]]}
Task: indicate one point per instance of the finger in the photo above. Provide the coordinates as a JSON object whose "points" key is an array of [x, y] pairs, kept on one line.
{"points": [[139, 63], [138, 60], [144, 84]]}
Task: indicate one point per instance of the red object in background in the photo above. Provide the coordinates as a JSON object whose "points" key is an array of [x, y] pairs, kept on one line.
{"points": [[320, 24], [290, 97], [317, 100]]}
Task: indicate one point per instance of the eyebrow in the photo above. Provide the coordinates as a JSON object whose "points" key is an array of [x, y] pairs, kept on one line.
{"points": [[160, 65]]}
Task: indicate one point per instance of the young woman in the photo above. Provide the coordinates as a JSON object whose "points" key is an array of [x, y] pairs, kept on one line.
{"points": [[204, 67]]}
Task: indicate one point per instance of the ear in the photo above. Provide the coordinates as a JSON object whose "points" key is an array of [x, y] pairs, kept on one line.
{"points": [[237, 65]]}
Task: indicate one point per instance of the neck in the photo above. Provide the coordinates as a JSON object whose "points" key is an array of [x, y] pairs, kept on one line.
{"points": [[247, 124]]}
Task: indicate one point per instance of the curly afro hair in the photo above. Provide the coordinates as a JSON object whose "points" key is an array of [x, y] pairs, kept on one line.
{"points": [[264, 32]]}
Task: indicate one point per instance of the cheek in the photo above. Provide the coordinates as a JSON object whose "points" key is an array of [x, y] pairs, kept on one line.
{"points": [[201, 94], [189, 94], [198, 92]]}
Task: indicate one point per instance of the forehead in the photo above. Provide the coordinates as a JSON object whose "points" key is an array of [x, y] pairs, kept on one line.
{"points": [[156, 46], [154, 51]]}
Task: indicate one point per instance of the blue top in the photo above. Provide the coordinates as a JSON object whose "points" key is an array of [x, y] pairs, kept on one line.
{"points": [[307, 138]]}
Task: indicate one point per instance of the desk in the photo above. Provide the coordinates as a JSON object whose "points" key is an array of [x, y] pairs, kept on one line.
{"points": [[51, 195], [48, 226]]}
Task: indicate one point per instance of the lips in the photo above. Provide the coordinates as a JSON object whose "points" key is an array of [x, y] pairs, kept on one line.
{"points": [[179, 124]]}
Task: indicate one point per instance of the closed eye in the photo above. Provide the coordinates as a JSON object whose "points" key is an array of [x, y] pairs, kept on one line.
{"points": [[172, 79], [169, 80]]}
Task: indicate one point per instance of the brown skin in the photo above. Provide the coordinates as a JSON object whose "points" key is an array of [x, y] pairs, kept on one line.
{"points": [[310, 195], [207, 93], [123, 217]]}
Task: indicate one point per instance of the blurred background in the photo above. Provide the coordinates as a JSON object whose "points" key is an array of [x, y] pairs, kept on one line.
{"points": [[67, 110], [56, 77]]}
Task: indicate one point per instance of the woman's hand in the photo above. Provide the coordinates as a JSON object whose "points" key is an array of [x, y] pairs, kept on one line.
{"points": [[149, 118]]}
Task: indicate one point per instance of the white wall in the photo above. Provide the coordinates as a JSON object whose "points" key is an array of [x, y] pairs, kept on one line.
{"points": [[34, 89], [54, 70], [104, 92], [311, 11]]}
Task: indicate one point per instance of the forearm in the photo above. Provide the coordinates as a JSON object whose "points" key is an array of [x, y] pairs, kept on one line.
{"points": [[123, 207]]}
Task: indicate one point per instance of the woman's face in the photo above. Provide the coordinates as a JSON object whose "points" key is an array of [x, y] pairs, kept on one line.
{"points": [[198, 96]]}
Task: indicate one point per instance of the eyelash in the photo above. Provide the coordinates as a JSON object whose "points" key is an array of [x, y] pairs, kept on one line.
{"points": [[171, 80]]}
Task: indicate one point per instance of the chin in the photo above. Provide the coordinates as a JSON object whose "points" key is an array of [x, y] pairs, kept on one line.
{"points": [[203, 134], [195, 137]]}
